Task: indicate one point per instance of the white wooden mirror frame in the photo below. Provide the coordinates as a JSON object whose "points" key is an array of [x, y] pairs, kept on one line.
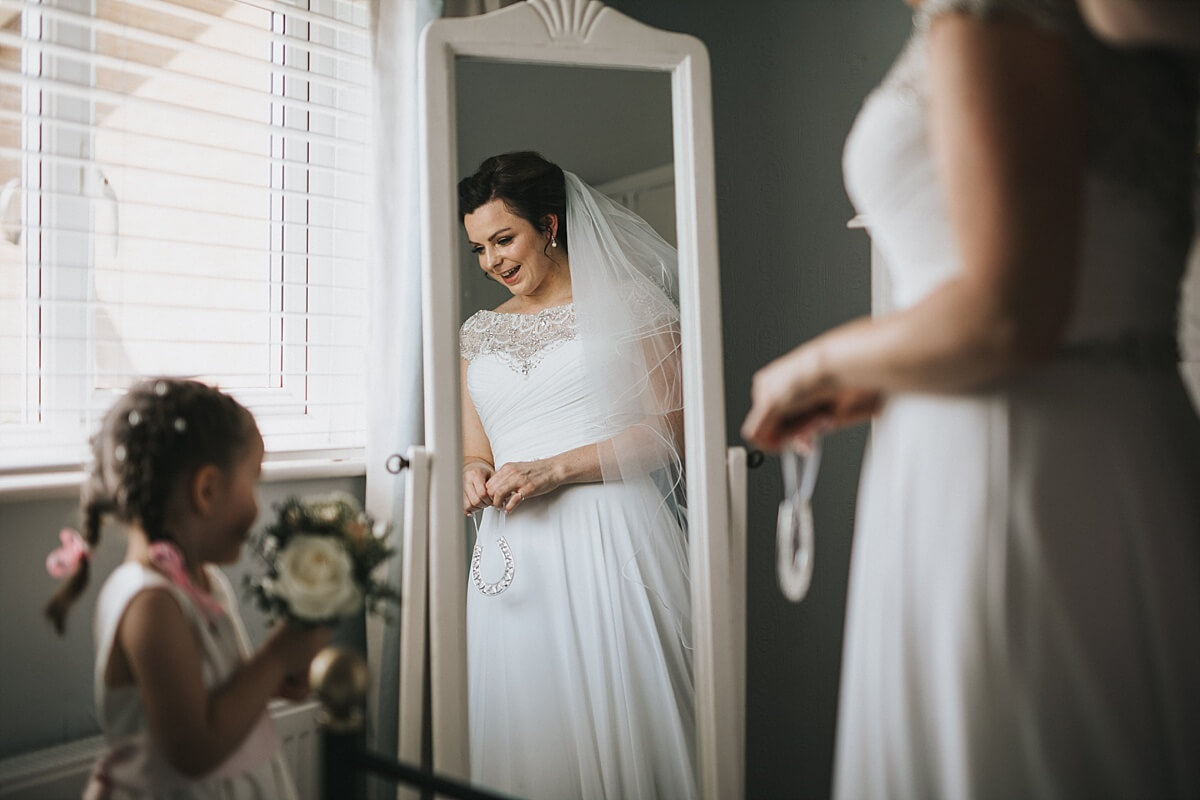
{"points": [[587, 33]]}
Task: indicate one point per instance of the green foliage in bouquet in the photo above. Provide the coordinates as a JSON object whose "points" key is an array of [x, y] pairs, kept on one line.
{"points": [[321, 558]]}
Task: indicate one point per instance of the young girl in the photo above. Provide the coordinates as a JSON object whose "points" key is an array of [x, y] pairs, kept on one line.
{"points": [[182, 702]]}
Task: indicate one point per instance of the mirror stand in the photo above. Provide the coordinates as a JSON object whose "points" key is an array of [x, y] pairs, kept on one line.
{"points": [[586, 33]]}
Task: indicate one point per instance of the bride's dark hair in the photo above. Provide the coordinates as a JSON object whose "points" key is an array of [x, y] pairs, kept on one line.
{"points": [[530, 186]]}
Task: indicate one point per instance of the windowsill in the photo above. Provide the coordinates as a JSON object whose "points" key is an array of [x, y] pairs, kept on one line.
{"points": [[66, 484]]}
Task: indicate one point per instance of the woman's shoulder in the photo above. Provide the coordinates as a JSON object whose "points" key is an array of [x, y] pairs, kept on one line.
{"points": [[908, 71], [472, 333], [1051, 14], [1140, 106], [484, 316], [649, 305], [477, 331], [480, 319]]}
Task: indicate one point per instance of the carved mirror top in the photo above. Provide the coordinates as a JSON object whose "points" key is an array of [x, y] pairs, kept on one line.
{"points": [[565, 32], [569, 20]]}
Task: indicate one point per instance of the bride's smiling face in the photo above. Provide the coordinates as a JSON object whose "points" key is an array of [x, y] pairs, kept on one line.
{"points": [[509, 248]]}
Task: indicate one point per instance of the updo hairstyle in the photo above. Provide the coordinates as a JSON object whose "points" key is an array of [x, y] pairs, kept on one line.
{"points": [[156, 435], [530, 186]]}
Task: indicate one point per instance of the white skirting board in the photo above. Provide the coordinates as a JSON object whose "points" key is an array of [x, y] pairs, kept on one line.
{"points": [[58, 772]]}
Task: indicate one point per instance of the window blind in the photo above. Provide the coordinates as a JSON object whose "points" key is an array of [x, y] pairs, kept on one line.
{"points": [[182, 189]]}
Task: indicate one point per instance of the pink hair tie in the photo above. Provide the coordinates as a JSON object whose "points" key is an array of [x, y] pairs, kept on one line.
{"points": [[65, 559], [167, 559]]}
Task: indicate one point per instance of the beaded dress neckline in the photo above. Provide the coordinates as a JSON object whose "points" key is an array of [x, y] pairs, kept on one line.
{"points": [[519, 340], [546, 310]]}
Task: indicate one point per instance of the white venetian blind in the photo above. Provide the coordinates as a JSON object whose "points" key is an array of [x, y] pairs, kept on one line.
{"points": [[182, 193]]}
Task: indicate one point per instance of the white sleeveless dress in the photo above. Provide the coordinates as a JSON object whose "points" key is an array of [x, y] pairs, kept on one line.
{"points": [[1024, 610], [132, 767], [579, 673]]}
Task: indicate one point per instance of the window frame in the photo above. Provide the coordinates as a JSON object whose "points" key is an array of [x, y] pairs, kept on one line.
{"points": [[61, 400]]}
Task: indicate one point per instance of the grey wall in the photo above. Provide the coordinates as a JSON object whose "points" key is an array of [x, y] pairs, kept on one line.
{"points": [[788, 77], [558, 111], [45, 680]]}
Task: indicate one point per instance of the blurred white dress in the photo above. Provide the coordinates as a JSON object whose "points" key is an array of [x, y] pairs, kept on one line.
{"points": [[579, 673], [132, 766], [1024, 610]]}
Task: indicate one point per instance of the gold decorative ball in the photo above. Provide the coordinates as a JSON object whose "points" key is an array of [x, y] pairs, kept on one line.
{"points": [[339, 678]]}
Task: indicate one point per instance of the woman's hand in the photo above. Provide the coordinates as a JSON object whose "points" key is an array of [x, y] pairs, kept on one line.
{"points": [[517, 481], [792, 400], [475, 493]]}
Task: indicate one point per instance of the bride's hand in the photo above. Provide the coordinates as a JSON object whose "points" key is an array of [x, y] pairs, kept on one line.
{"points": [[791, 402], [518, 481], [475, 493]]}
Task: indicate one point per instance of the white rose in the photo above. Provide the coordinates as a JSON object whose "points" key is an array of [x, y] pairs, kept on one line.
{"points": [[316, 578]]}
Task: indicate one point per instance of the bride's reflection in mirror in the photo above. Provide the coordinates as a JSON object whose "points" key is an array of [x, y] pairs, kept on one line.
{"points": [[578, 617]]}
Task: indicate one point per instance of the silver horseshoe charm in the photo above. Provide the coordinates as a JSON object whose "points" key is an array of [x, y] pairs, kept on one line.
{"points": [[486, 588], [794, 525]]}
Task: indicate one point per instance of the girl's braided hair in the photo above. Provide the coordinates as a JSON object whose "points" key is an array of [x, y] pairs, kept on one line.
{"points": [[160, 432]]}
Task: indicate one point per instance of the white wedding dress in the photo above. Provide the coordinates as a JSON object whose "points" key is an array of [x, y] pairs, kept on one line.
{"points": [[1024, 610], [579, 672]]}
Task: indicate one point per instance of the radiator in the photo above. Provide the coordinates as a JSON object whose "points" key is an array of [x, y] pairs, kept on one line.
{"points": [[58, 772]]}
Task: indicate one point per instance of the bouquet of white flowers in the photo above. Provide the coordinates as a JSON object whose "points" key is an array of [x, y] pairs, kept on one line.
{"points": [[321, 557]]}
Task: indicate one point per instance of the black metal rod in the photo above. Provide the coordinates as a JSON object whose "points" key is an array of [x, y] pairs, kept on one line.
{"points": [[404, 773], [347, 762], [341, 779]]}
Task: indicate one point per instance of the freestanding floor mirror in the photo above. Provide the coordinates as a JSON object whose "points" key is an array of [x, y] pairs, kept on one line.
{"points": [[631, 114]]}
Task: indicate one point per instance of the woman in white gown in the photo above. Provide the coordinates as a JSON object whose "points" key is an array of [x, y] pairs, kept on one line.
{"points": [[579, 670], [1024, 610]]}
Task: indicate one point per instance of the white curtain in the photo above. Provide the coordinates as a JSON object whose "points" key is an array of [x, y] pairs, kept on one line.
{"points": [[394, 404]]}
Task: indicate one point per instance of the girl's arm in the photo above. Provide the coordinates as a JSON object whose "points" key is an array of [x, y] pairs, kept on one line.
{"points": [[197, 729], [478, 463], [1006, 132]]}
